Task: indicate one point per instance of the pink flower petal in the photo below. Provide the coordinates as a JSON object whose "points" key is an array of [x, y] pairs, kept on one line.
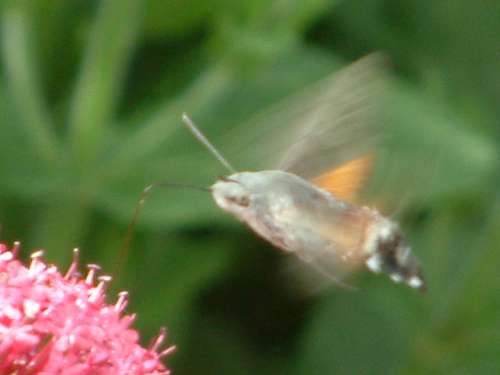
{"points": [[53, 323]]}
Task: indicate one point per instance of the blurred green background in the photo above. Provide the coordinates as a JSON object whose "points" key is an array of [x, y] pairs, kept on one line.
{"points": [[91, 94]]}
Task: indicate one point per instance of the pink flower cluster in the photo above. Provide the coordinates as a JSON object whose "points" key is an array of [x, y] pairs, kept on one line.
{"points": [[60, 324]]}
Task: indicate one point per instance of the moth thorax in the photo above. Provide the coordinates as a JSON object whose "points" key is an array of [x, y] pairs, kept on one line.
{"points": [[387, 251]]}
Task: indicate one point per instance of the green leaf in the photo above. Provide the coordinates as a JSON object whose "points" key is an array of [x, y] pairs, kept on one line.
{"points": [[176, 18], [177, 268], [23, 82], [110, 45], [353, 333], [430, 152]]}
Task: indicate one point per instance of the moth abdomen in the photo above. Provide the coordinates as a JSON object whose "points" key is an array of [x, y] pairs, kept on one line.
{"points": [[387, 252]]}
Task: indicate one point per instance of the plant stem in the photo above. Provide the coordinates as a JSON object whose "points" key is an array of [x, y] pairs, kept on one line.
{"points": [[61, 228]]}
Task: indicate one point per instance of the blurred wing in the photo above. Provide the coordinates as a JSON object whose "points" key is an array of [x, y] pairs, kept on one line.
{"points": [[342, 126], [321, 272], [331, 265], [344, 253], [325, 125]]}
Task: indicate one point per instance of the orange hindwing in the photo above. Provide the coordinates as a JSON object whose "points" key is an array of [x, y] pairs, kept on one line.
{"points": [[346, 181]]}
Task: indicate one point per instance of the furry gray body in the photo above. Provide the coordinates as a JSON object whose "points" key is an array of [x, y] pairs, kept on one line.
{"points": [[303, 219], [281, 207]]}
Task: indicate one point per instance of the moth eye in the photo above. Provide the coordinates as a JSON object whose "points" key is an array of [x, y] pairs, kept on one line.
{"points": [[241, 200]]}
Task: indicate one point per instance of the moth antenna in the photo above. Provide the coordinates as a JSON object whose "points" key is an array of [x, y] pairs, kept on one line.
{"points": [[200, 137], [137, 210]]}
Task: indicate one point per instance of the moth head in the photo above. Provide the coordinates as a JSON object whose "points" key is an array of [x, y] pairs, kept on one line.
{"points": [[231, 195]]}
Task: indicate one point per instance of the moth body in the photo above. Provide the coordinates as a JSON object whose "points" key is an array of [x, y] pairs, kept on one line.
{"points": [[319, 147], [301, 218]]}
